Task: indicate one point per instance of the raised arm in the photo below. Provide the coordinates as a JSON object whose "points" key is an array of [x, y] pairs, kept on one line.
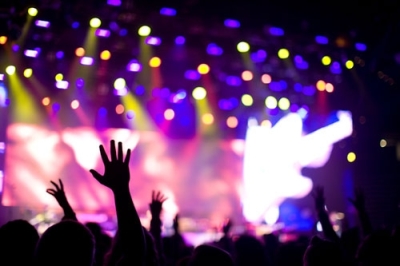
{"points": [[359, 203], [323, 216], [116, 177], [59, 194], [157, 200]]}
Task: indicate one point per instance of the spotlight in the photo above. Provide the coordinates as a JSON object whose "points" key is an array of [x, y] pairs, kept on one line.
{"points": [[243, 47], [105, 55], [155, 62], [10, 70], [203, 69], [284, 104], [326, 60], [283, 53], [46, 101], [80, 52], [119, 84], [199, 93], [247, 75], [59, 77], [95, 23], [247, 100], [144, 31], [3, 39], [349, 64], [28, 73], [75, 104], [271, 102], [32, 12]]}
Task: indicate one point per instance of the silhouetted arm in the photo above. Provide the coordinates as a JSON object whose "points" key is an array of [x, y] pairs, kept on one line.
{"points": [[323, 216], [116, 177], [59, 194], [359, 203], [157, 200]]}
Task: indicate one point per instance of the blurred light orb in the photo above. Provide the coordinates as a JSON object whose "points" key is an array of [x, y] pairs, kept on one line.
{"points": [[28, 72], [271, 102], [283, 53], [351, 157], [326, 60], [155, 62], [95, 23], [284, 104], [266, 79], [32, 12], [320, 85], [247, 100], [329, 87], [169, 114], [119, 84], [232, 122], [144, 31], [46, 101], [247, 75], [75, 104], [203, 69], [207, 119], [199, 93], [243, 47], [119, 109], [59, 77], [349, 64], [10, 70], [105, 55], [80, 52]]}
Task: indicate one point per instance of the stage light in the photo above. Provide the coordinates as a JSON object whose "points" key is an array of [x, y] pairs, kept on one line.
{"points": [[75, 104], [28, 73], [383, 143], [169, 114], [153, 40], [266, 123], [80, 52], [326, 60], [10, 70], [203, 69], [59, 77], [180, 40], [87, 61], [284, 104], [105, 55], [155, 62], [119, 84], [243, 47], [130, 114], [31, 53], [276, 31], [247, 75], [63, 85], [271, 102], [42, 23], [361, 47], [32, 12], [59, 54], [351, 157], [3, 39], [231, 23], [321, 40], [266, 79], [119, 109], [199, 93], [144, 31], [349, 64], [103, 33], [192, 75], [320, 85], [46, 101], [213, 49], [167, 11], [134, 66], [283, 53], [329, 87], [232, 122], [207, 119], [247, 100], [95, 23]]}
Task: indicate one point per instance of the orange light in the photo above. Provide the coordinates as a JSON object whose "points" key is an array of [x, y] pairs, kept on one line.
{"points": [[247, 75], [329, 87], [232, 122], [46, 101], [266, 79], [105, 55], [169, 114], [75, 104], [155, 62], [80, 52], [321, 85], [3, 39], [207, 119], [119, 109], [203, 69]]}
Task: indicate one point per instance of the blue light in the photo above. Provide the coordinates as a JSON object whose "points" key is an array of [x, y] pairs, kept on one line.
{"points": [[233, 81], [192, 75], [114, 2], [258, 56], [80, 83], [56, 107], [275, 86], [302, 65], [3, 95], [114, 26], [294, 108], [276, 31], [75, 25], [309, 90], [298, 87], [361, 47], [140, 90], [123, 32], [335, 68], [232, 23], [321, 39], [214, 49], [166, 11], [102, 111], [180, 40], [59, 54], [283, 84]]}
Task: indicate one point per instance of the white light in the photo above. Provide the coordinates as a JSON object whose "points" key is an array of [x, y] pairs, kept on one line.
{"points": [[87, 61], [63, 85]]}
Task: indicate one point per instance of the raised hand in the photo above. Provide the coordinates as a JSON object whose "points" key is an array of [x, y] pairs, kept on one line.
{"points": [[116, 171], [226, 228], [319, 198], [359, 200], [176, 224], [157, 200], [58, 193]]}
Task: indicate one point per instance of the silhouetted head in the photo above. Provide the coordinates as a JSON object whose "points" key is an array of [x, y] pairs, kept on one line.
{"points": [[375, 249], [95, 228], [206, 255], [322, 253], [65, 243], [18, 240], [250, 251], [152, 257]]}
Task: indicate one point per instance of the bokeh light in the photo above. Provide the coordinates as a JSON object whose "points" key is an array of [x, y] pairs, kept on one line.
{"points": [[383, 143], [266, 123], [326, 60], [46, 101], [144, 31], [203, 69], [232, 122], [10, 70], [32, 12], [119, 109], [329, 87], [266, 79], [247, 75], [169, 114], [271, 102], [283, 53], [3, 39], [199, 93], [28, 72], [105, 55], [119, 84], [351, 157], [349, 64], [207, 119], [247, 100], [284, 104], [75, 104], [80, 52], [243, 47], [320, 85], [95, 22], [59, 77], [155, 62]]}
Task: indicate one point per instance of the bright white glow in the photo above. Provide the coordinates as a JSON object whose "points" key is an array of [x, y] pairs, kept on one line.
{"points": [[274, 158]]}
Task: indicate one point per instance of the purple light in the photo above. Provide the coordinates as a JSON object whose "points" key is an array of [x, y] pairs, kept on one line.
{"points": [[321, 40], [228, 104], [361, 47], [103, 33], [102, 111], [56, 107], [232, 23], [42, 23], [31, 53], [298, 59], [309, 90], [62, 85], [166, 11], [180, 40], [192, 75], [298, 87], [283, 84], [59, 54], [114, 26], [114, 2], [164, 93], [130, 114], [134, 66], [87, 61], [275, 86], [300, 63], [1, 77], [273, 112], [153, 40], [258, 56], [121, 92], [123, 32], [294, 108], [276, 31], [233, 81], [140, 90], [75, 25], [335, 68], [15, 47], [214, 49], [80, 83], [178, 97], [155, 92]]}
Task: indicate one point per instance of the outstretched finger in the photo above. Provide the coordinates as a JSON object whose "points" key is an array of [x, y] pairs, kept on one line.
{"points": [[128, 156], [97, 176], [55, 184], [103, 154], [51, 191], [163, 199], [152, 195], [120, 152], [113, 151], [61, 185]]}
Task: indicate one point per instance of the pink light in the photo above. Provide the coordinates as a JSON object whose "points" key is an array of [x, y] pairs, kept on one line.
{"points": [[134, 66], [153, 40], [87, 61], [63, 84], [121, 92], [31, 53], [103, 33], [1, 77], [42, 23]]}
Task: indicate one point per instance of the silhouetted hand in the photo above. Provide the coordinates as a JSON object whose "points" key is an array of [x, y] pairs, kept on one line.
{"points": [[58, 193], [116, 171], [176, 224], [319, 198], [359, 200], [157, 200], [226, 228]]}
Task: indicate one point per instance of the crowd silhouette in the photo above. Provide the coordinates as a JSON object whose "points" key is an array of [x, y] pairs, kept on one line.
{"points": [[70, 242]]}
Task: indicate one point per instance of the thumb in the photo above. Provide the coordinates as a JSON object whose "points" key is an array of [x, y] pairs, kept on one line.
{"points": [[97, 176]]}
